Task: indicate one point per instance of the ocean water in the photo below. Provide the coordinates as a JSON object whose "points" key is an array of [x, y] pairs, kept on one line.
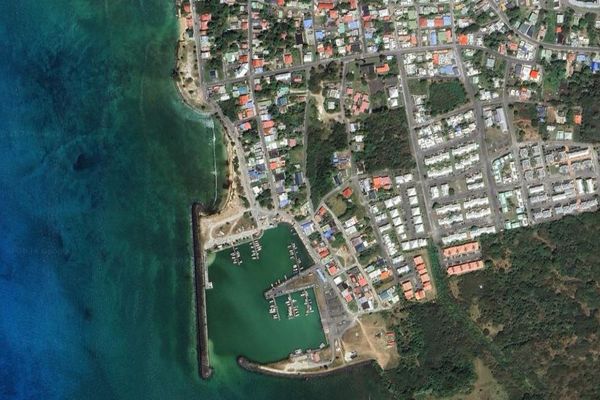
{"points": [[99, 163]]}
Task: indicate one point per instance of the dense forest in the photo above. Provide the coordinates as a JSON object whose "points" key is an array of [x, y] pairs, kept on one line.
{"points": [[445, 96], [538, 302], [387, 141], [323, 139], [532, 315]]}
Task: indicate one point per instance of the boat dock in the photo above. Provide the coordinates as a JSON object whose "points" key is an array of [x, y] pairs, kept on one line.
{"points": [[293, 253], [200, 283], [284, 290], [294, 284], [255, 248]]}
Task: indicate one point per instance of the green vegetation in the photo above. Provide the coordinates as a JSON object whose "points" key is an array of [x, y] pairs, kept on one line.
{"points": [[387, 141], [445, 96], [418, 87], [550, 22], [265, 199], [436, 348], [583, 89], [538, 301], [323, 139], [321, 73], [435, 352], [494, 39], [554, 75], [230, 108], [588, 22], [531, 315]]}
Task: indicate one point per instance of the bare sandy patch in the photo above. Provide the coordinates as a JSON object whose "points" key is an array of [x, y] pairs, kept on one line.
{"points": [[368, 339]]}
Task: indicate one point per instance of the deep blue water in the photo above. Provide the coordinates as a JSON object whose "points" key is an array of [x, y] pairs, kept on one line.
{"points": [[99, 162]]}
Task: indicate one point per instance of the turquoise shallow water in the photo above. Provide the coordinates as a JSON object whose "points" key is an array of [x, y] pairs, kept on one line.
{"points": [[99, 164]]}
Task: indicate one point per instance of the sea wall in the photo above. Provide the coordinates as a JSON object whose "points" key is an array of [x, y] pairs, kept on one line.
{"points": [[200, 289], [251, 366]]}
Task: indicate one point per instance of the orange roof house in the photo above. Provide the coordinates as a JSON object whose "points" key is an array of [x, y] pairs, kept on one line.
{"points": [[258, 62], [268, 124], [325, 6], [287, 59], [577, 119], [420, 294], [462, 249], [534, 74], [205, 17], [465, 267], [244, 99], [463, 40], [332, 269], [383, 69], [380, 182], [407, 289]]}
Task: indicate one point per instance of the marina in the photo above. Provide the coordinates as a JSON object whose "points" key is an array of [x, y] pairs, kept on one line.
{"points": [[297, 304], [256, 248], [243, 320], [293, 252], [236, 258]]}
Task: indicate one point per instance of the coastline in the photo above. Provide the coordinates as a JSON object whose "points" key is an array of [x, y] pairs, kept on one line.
{"points": [[252, 366], [205, 219]]}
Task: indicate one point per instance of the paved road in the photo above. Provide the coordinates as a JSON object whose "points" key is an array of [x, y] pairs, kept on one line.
{"points": [[545, 45]]}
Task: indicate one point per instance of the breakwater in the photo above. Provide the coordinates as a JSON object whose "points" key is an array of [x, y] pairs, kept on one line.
{"points": [[200, 282], [251, 366]]}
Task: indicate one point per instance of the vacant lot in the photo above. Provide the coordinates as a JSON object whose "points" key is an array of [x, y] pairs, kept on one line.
{"points": [[445, 96]]}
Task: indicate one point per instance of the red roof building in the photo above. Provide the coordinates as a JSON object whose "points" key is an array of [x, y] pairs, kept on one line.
{"points": [[325, 6], [347, 192]]}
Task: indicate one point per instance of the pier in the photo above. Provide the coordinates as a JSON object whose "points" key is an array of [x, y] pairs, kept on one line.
{"points": [[294, 284], [200, 284]]}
